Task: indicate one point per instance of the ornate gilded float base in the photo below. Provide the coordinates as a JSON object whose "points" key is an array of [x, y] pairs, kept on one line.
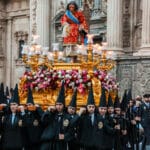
{"points": [[48, 97]]}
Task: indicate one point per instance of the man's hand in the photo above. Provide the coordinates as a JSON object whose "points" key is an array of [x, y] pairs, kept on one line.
{"points": [[133, 122], [51, 108], [137, 118], [117, 127], [21, 108], [61, 136], [3, 104], [36, 105], [124, 132], [82, 110]]}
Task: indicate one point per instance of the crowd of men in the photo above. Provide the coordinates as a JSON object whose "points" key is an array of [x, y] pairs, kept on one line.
{"points": [[110, 126]]}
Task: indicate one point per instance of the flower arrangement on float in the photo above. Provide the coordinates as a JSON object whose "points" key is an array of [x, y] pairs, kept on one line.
{"points": [[44, 79]]}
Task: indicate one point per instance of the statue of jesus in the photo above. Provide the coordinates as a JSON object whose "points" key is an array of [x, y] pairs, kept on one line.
{"points": [[74, 25]]}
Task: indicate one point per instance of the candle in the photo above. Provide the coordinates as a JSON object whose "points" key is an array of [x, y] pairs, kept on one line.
{"points": [[109, 55], [95, 48], [79, 48], [45, 51], [90, 38], [99, 50], [31, 52], [55, 46], [25, 49], [38, 49], [104, 45], [60, 55], [50, 56], [35, 39]]}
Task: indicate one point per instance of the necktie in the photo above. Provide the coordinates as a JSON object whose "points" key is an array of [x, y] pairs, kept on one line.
{"points": [[92, 119], [59, 117], [13, 119]]}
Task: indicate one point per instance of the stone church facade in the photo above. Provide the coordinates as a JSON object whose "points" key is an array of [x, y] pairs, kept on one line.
{"points": [[124, 24]]}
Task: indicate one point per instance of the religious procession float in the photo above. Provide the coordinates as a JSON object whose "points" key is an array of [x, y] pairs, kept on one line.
{"points": [[45, 72]]}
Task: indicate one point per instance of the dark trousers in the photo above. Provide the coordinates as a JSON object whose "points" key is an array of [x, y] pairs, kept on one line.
{"points": [[60, 145], [73, 146], [12, 149], [37, 147], [47, 146], [90, 148]]}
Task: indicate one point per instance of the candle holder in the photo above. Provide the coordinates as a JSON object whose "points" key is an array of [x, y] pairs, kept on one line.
{"points": [[88, 57]]}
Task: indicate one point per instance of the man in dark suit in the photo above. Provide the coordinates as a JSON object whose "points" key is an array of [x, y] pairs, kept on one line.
{"points": [[12, 126], [3, 111], [73, 143], [88, 124], [57, 125], [105, 126], [33, 126], [146, 120]]}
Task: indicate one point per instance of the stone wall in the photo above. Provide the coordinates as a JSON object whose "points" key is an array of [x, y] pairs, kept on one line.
{"points": [[17, 28], [134, 72], [19, 19]]}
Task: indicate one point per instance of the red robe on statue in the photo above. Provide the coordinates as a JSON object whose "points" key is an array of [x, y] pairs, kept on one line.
{"points": [[71, 35]]}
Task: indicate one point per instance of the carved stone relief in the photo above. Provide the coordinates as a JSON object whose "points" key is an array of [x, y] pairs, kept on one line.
{"points": [[134, 74], [33, 16], [143, 77], [21, 35], [1, 49], [126, 24], [61, 7], [137, 37], [124, 77]]}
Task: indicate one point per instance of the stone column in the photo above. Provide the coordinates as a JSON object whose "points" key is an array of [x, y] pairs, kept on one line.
{"points": [[43, 21], [9, 53], [114, 26], [145, 45]]}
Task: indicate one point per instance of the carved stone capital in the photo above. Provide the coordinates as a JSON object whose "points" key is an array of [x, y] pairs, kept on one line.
{"points": [[21, 35]]}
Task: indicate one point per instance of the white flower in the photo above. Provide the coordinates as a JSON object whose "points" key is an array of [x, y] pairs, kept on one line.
{"points": [[59, 72], [80, 71], [88, 77], [42, 75], [67, 76], [79, 76], [35, 77], [29, 77], [70, 84], [80, 80], [33, 73], [99, 76], [36, 88], [89, 84], [59, 76]]}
